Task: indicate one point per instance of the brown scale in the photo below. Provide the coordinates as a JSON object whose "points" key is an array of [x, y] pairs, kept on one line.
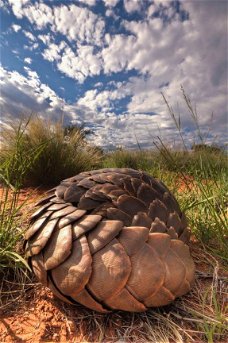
{"points": [[111, 239]]}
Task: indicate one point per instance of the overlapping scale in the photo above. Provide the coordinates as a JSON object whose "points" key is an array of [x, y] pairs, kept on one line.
{"points": [[38, 267], [85, 224], [37, 225], [133, 238], [111, 239], [71, 217], [103, 234], [73, 274], [147, 274], [38, 242], [84, 298], [59, 248], [125, 301], [111, 268]]}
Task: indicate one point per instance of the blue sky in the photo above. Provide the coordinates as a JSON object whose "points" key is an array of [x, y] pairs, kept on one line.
{"points": [[104, 63]]}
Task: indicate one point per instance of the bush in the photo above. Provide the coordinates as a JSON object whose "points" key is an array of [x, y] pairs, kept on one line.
{"points": [[208, 148], [59, 154], [200, 164], [128, 159]]}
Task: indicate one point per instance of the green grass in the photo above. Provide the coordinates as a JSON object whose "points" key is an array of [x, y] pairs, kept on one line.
{"points": [[206, 208], [128, 159], [10, 230], [61, 154], [13, 168]]}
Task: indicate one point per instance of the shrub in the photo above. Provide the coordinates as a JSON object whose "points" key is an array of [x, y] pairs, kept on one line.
{"points": [[127, 159], [209, 148]]}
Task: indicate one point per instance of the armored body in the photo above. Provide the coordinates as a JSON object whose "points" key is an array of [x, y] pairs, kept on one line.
{"points": [[111, 239]]}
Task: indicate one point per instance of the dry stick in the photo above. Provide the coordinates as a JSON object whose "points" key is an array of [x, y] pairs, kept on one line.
{"points": [[177, 122], [193, 113], [203, 275]]}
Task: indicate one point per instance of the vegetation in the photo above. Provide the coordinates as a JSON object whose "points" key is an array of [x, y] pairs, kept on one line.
{"points": [[128, 159], [61, 153], [15, 164]]}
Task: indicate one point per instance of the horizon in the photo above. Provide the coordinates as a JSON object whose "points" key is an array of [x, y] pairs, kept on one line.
{"points": [[103, 64]]}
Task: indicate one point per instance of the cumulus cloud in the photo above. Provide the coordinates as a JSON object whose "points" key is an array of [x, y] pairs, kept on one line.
{"points": [[17, 7], [53, 52], [88, 2], [46, 39], [76, 23], [103, 101], [114, 61], [165, 51], [77, 64], [110, 3], [132, 5], [16, 27], [25, 94], [29, 35], [28, 60]]}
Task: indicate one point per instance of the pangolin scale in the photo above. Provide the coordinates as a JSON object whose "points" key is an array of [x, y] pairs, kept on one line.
{"points": [[111, 239]]}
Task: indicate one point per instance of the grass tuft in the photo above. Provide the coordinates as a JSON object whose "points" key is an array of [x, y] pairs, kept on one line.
{"points": [[60, 153], [127, 159]]}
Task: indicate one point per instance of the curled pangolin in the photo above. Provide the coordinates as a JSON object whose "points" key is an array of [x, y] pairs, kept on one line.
{"points": [[111, 239]]}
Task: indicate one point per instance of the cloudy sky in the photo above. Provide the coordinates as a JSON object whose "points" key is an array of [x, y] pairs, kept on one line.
{"points": [[104, 64]]}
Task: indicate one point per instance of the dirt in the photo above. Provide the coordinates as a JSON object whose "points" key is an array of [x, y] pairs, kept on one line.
{"points": [[40, 317]]}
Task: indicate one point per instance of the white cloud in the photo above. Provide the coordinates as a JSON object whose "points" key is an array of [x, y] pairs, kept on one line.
{"points": [[29, 35], [103, 101], [18, 7], [132, 5], [162, 2], [53, 52], [109, 12], [46, 39], [31, 47], [76, 23], [39, 14], [110, 3], [115, 61], [16, 27], [25, 94], [21, 95], [3, 5], [88, 2], [165, 54], [28, 60], [77, 64]]}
